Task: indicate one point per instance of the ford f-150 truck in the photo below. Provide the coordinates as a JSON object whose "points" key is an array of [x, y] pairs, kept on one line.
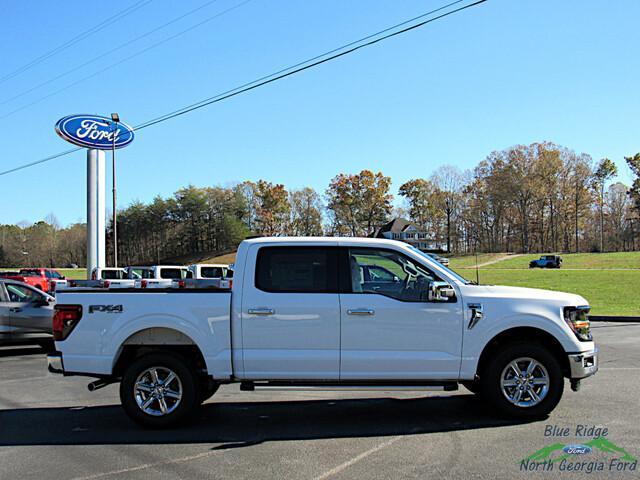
{"points": [[301, 313], [43, 278]]}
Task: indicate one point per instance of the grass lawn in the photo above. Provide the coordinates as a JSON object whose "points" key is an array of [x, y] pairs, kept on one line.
{"points": [[578, 260], [469, 261], [609, 292]]}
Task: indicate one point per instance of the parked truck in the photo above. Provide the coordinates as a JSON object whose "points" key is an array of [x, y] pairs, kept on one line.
{"points": [[44, 279], [301, 313]]}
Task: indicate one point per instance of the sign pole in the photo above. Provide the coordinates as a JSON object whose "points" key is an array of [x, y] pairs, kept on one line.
{"points": [[95, 210], [115, 212]]}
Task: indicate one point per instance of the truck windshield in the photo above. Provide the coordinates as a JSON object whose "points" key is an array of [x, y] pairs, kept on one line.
{"points": [[451, 272]]}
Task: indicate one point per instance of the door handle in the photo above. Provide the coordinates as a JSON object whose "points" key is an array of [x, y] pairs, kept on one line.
{"points": [[15, 309], [261, 311], [361, 311]]}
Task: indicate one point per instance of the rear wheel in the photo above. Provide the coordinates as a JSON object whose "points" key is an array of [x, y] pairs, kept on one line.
{"points": [[523, 381], [160, 389]]}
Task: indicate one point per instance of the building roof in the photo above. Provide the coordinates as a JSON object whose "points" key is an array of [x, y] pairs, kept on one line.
{"points": [[396, 225]]}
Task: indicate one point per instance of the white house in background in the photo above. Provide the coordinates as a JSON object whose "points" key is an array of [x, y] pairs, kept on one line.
{"points": [[406, 231]]}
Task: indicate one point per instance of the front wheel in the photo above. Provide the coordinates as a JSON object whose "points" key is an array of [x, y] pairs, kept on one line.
{"points": [[523, 381], [160, 389]]}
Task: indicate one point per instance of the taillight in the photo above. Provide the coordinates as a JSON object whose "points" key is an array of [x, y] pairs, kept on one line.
{"points": [[231, 283], [181, 284], [65, 318], [143, 284], [106, 284]]}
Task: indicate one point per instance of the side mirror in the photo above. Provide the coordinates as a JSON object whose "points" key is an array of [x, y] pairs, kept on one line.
{"points": [[41, 302], [441, 292]]}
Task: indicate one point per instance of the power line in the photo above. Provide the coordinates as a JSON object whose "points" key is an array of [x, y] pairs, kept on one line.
{"points": [[304, 65], [126, 59], [108, 52], [101, 26], [299, 67]]}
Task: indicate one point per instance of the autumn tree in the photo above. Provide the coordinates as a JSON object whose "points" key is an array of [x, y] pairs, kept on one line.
{"points": [[358, 203], [605, 170], [306, 212], [272, 216], [634, 164]]}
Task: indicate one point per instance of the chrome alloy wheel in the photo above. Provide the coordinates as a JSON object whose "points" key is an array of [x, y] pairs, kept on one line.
{"points": [[525, 382], [158, 391]]}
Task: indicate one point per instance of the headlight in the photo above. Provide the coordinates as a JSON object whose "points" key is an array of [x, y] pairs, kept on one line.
{"points": [[578, 321]]}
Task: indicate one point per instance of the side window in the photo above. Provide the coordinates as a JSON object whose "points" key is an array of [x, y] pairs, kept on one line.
{"points": [[20, 294], [297, 270], [389, 273]]}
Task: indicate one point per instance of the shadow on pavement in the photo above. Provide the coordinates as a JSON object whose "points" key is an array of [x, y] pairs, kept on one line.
{"points": [[16, 351], [242, 424]]}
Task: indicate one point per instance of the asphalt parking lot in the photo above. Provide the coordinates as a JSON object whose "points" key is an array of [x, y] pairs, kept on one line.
{"points": [[52, 427]]}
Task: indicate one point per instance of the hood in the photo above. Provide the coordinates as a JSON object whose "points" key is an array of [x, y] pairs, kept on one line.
{"points": [[496, 291]]}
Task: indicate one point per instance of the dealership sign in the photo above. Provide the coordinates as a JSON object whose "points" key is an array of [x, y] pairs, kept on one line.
{"points": [[93, 131]]}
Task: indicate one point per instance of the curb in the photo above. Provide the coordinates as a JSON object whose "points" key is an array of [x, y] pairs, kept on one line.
{"points": [[611, 318]]}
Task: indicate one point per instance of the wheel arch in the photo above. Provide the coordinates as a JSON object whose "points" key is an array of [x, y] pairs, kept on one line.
{"points": [[521, 335], [158, 339]]}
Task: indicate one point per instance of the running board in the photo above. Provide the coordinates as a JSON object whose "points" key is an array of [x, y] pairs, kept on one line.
{"points": [[348, 386]]}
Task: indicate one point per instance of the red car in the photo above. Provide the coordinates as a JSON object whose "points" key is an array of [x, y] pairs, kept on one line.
{"points": [[42, 278]]}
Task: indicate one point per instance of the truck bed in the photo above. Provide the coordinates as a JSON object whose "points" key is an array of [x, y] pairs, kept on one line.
{"points": [[112, 318]]}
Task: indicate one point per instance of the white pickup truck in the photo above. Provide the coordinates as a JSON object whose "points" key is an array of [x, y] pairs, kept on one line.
{"points": [[326, 312]]}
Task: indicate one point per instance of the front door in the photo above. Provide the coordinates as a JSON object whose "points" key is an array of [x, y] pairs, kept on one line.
{"points": [[25, 314], [390, 331], [291, 314]]}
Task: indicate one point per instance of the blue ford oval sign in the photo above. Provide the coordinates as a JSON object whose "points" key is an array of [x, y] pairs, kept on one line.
{"points": [[93, 131], [577, 449]]}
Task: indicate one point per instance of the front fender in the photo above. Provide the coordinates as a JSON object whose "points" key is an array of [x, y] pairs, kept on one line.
{"points": [[477, 338]]}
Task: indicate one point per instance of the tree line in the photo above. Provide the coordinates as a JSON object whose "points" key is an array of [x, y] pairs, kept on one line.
{"points": [[527, 198]]}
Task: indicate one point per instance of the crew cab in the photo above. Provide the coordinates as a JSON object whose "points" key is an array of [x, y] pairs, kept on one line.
{"points": [[210, 270], [44, 279], [157, 276], [302, 312]]}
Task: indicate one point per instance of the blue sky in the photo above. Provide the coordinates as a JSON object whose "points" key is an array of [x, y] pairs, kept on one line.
{"points": [[503, 73]]}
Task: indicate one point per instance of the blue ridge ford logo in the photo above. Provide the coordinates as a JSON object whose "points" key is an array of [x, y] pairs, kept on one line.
{"points": [[577, 449], [93, 131]]}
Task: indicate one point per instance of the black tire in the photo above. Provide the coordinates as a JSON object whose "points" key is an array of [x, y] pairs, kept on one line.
{"points": [[473, 386], [492, 390], [207, 389], [178, 410]]}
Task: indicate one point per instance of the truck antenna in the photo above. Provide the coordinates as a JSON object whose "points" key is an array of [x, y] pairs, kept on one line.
{"points": [[477, 270]]}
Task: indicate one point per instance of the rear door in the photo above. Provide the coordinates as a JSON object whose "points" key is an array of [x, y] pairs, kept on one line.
{"points": [[290, 313]]}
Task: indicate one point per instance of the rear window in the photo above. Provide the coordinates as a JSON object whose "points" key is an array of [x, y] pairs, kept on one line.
{"points": [[171, 273], [29, 272], [112, 274], [297, 269], [211, 272]]}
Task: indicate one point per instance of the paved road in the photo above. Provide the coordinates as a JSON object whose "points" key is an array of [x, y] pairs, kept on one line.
{"points": [[53, 428]]}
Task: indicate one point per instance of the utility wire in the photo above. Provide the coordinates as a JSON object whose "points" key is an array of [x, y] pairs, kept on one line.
{"points": [[108, 52], [101, 26], [126, 59], [303, 66], [317, 60]]}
